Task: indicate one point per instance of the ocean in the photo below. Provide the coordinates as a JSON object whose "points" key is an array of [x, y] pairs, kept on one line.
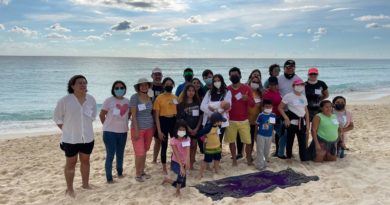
{"points": [[31, 86]]}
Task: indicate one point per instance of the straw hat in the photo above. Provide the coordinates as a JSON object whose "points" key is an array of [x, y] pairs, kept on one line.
{"points": [[140, 81]]}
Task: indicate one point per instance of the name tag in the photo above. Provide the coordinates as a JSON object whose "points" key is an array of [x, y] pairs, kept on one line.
{"points": [[141, 107], [195, 113], [335, 121], [219, 131], [238, 96], [186, 143], [318, 92], [116, 112], [272, 120], [175, 101], [257, 100]]}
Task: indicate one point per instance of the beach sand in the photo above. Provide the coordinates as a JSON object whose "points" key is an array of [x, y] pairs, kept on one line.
{"points": [[31, 172]]}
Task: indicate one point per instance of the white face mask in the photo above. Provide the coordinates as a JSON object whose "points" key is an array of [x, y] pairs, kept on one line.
{"points": [[150, 93], [181, 133], [217, 84], [269, 110], [299, 88], [255, 86]]}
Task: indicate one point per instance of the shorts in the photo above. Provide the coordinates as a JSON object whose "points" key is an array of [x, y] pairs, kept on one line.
{"points": [[212, 157], [73, 149], [241, 127], [142, 145]]}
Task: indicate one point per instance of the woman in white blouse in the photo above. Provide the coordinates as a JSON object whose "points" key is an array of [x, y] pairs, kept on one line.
{"points": [[74, 114]]}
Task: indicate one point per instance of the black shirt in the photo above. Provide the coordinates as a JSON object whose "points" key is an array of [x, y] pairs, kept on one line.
{"points": [[157, 90], [314, 94], [190, 113]]}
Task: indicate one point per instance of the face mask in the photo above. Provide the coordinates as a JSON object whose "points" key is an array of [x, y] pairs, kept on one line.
{"points": [[339, 106], [299, 88], [181, 133], [168, 88], [188, 78], [235, 79], [255, 86], [289, 76], [150, 93], [208, 81], [120, 92], [217, 84], [269, 110]]}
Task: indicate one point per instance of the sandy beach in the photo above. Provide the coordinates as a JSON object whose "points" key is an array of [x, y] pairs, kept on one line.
{"points": [[31, 172]]}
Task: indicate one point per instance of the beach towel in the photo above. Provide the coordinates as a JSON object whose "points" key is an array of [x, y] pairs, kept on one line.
{"points": [[250, 184]]}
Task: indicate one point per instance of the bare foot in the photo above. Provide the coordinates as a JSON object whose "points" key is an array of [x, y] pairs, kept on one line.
{"points": [[165, 181], [199, 177], [111, 182], [234, 163], [177, 194], [154, 162], [70, 193], [86, 187]]}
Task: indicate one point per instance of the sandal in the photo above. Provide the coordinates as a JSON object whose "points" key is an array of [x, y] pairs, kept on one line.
{"points": [[139, 179], [146, 176]]}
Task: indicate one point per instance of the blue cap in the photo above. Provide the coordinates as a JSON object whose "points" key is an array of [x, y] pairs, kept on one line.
{"points": [[217, 117]]}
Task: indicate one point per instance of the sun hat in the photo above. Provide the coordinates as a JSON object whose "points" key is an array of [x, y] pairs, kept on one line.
{"points": [[140, 81]]}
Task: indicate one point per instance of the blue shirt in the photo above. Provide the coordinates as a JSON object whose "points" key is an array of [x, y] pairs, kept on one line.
{"points": [[265, 126], [180, 89]]}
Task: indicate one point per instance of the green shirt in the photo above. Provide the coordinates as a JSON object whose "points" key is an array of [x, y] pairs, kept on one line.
{"points": [[328, 127]]}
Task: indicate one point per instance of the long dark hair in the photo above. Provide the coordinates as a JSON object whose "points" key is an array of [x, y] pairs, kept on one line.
{"points": [[258, 90], [222, 89], [184, 97], [250, 75], [72, 82], [113, 87], [339, 97]]}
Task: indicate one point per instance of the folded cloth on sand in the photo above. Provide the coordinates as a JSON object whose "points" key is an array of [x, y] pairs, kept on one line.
{"points": [[249, 184]]}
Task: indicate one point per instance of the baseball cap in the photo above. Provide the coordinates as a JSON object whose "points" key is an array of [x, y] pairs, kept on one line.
{"points": [[157, 70], [289, 63], [216, 117], [313, 71], [298, 82]]}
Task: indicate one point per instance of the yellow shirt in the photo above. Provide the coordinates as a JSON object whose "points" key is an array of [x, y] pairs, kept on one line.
{"points": [[212, 140], [166, 103], [254, 111]]}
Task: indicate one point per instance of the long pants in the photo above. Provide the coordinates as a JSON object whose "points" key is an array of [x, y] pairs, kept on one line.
{"points": [[293, 130], [167, 125], [115, 145], [263, 146]]}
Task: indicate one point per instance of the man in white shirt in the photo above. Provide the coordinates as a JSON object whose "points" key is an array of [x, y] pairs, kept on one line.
{"points": [[74, 115]]}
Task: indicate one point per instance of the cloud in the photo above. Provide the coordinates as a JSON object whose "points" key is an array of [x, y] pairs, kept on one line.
{"points": [[257, 25], [25, 31], [285, 35], [240, 38], [372, 18], [94, 38], [256, 35], [122, 26], [141, 28], [58, 28], [224, 7], [145, 44], [290, 35], [308, 30], [55, 17], [300, 8], [321, 31], [2, 27], [372, 25], [280, 34], [226, 40], [168, 35], [4, 2], [149, 5], [88, 30], [56, 36], [106, 35], [194, 19], [339, 9]]}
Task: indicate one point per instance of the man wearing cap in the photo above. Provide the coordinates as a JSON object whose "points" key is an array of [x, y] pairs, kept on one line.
{"points": [[316, 91], [286, 80], [188, 74], [157, 88], [296, 119]]}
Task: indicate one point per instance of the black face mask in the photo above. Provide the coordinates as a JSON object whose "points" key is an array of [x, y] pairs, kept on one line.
{"points": [[235, 79], [289, 76], [168, 88], [188, 78], [339, 106]]}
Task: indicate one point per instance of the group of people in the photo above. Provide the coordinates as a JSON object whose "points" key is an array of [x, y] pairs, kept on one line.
{"points": [[197, 115]]}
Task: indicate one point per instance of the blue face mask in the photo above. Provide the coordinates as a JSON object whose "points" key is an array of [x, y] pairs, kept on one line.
{"points": [[119, 92], [208, 81]]}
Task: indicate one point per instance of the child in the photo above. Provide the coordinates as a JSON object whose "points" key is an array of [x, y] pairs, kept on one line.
{"points": [[265, 122], [345, 121], [180, 161], [213, 150]]}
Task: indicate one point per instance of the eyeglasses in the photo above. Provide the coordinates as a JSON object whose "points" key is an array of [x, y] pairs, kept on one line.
{"points": [[119, 88]]}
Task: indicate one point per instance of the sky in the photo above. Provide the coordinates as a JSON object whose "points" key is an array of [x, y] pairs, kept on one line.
{"points": [[196, 28]]}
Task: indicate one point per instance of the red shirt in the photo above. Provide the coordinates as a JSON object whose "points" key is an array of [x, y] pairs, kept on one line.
{"points": [[239, 107], [276, 99]]}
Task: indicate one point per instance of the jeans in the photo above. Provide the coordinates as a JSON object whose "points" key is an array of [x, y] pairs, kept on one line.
{"points": [[282, 140], [115, 145], [175, 167]]}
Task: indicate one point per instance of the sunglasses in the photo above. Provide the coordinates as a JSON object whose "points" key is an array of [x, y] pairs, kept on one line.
{"points": [[119, 88], [188, 73]]}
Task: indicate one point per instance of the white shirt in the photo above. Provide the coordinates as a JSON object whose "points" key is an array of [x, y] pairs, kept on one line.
{"points": [[286, 85], [76, 119], [295, 103], [206, 102]]}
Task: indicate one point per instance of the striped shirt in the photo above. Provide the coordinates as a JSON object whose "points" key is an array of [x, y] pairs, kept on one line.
{"points": [[144, 112]]}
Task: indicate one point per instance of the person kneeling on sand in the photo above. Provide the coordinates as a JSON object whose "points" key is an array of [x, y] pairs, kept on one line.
{"points": [[74, 114], [212, 144]]}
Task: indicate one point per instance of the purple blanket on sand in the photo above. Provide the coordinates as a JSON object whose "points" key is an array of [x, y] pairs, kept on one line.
{"points": [[249, 184]]}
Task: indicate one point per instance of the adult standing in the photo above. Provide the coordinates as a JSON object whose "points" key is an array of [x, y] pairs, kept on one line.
{"points": [[242, 99], [316, 91], [114, 116], [207, 76], [157, 89], [142, 126], [74, 115], [188, 74]]}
